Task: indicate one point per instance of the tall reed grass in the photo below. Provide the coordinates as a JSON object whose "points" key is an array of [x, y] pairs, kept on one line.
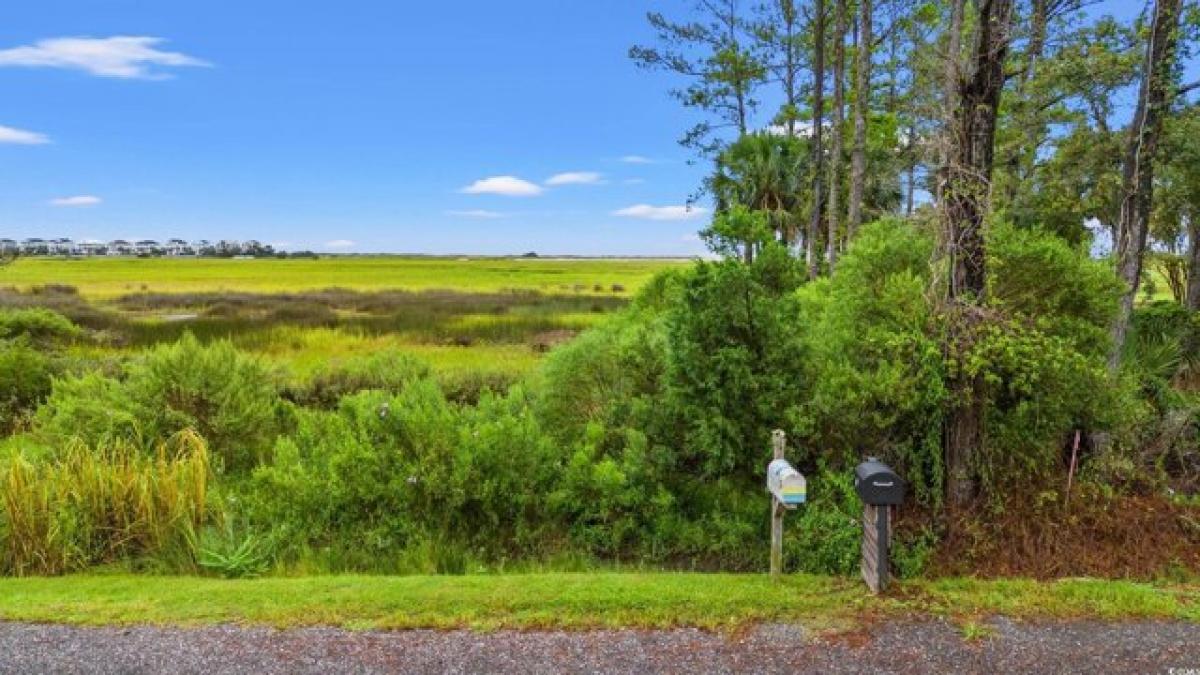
{"points": [[98, 505]]}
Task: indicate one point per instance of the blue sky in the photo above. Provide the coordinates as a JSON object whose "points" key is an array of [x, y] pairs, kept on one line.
{"points": [[365, 125], [318, 124]]}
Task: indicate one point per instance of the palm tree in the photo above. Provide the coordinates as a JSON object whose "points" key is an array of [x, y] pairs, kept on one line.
{"points": [[764, 172]]}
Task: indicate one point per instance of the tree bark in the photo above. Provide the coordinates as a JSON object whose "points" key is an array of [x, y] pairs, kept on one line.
{"points": [[838, 128], [1137, 177], [1192, 296], [787, 10], [814, 226], [967, 194], [862, 97], [949, 94]]}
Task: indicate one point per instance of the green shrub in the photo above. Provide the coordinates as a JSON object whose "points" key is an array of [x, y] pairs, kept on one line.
{"points": [[384, 371], [825, 535], [229, 398], [735, 363], [386, 474], [25, 377], [41, 326], [874, 361]]}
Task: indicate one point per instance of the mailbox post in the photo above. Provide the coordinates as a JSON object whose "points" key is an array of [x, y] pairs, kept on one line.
{"points": [[880, 489], [788, 490]]}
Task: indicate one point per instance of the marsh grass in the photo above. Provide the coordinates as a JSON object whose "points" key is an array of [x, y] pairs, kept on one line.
{"points": [[92, 506], [104, 278]]}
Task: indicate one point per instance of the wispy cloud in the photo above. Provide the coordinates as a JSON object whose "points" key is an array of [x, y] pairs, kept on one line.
{"points": [[637, 159], [510, 186], [648, 212], [575, 178], [76, 200], [339, 244], [482, 214], [21, 137], [634, 181], [121, 56]]}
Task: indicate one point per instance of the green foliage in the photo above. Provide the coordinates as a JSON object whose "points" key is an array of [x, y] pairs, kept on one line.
{"points": [[40, 326], [25, 376], [765, 174], [230, 554], [827, 535], [384, 473], [230, 399], [383, 371], [875, 363], [734, 365], [96, 505]]}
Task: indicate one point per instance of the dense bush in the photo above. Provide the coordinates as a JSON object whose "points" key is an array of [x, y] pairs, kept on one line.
{"points": [[25, 376], [40, 326], [875, 365], [384, 371], [387, 473], [229, 398]]}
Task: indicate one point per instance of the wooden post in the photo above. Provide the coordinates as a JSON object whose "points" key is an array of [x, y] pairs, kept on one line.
{"points": [[778, 443], [876, 540]]}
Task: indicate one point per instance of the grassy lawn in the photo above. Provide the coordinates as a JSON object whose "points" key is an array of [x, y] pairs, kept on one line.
{"points": [[102, 278], [571, 601]]}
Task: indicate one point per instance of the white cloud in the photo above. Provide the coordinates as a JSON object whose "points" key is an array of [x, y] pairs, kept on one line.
{"points": [[123, 56], [339, 243], [476, 213], [575, 178], [76, 200], [510, 186], [21, 137], [634, 181], [648, 212], [636, 159]]}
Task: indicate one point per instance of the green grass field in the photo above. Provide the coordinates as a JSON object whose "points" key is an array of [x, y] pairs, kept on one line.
{"points": [[101, 278], [572, 601], [488, 324]]}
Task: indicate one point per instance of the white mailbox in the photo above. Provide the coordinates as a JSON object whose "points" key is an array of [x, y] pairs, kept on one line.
{"points": [[786, 483]]}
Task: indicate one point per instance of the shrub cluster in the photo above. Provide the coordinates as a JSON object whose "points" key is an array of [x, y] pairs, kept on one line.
{"points": [[643, 440]]}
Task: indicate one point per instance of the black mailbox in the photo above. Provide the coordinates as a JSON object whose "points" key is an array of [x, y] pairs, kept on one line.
{"points": [[878, 485]]}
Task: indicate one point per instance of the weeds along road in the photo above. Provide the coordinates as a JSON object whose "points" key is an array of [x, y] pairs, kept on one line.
{"points": [[913, 647]]}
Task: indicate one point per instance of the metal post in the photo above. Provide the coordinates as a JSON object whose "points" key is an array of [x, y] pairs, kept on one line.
{"points": [[778, 443]]}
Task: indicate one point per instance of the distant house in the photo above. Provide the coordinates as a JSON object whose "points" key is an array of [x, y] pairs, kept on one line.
{"points": [[147, 247], [61, 246], [91, 247], [177, 247], [35, 246], [9, 246], [120, 247]]}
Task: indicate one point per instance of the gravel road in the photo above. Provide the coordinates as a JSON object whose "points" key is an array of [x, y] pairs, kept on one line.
{"points": [[915, 647]]}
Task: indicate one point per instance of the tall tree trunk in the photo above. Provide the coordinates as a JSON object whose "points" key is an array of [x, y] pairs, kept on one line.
{"points": [[912, 169], [1192, 297], [814, 225], [1137, 178], [862, 97], [838, 128], [787, 9], [967, 192], [949, 95]]}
